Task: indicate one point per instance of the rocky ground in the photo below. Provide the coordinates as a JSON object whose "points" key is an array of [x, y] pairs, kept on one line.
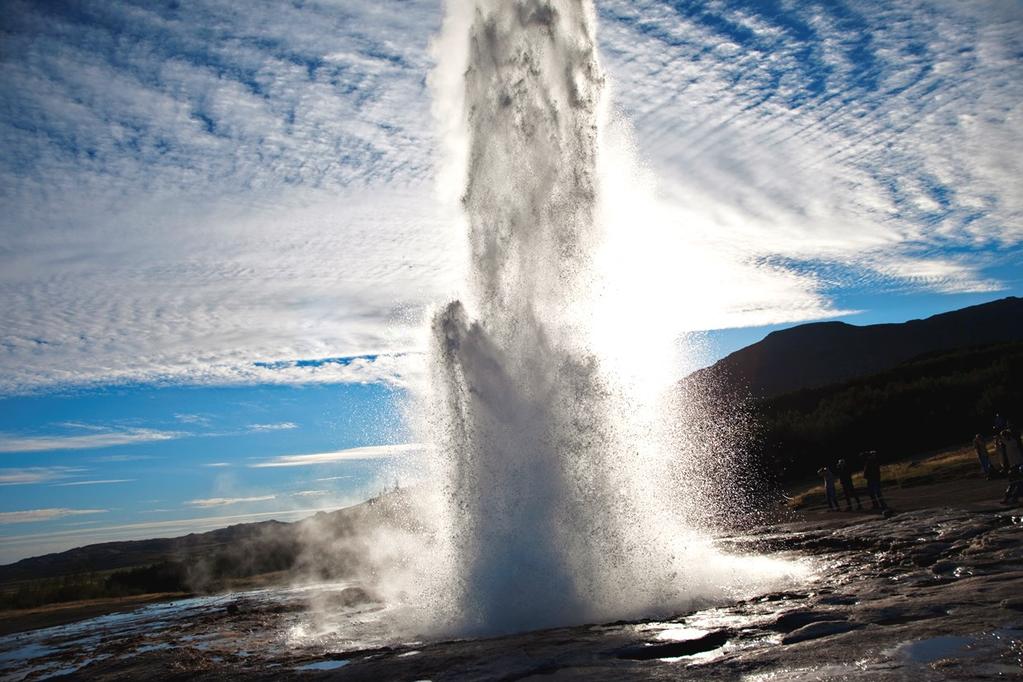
{"points": [[926, 594]]}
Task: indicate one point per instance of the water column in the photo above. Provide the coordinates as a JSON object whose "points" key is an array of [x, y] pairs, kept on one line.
{"points": [[524, 430]]}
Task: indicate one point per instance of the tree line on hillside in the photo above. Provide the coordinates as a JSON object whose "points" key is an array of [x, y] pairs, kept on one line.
{"points": [[932, 402], [167, 576]]}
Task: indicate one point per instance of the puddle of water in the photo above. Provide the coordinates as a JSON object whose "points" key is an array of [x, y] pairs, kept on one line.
{"points": [[680, 634], [46, 669], [153, 647], [957, 646], [75, 667], [25, 652], [323, 665], [832, 671], [934, 649], [33, 653]]}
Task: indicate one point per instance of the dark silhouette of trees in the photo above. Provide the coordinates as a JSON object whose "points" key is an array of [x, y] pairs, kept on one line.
{"points": [[932, 402]]}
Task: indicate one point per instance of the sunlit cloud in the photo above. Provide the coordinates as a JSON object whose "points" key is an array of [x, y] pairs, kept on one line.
{"points": [[351, 454], [312, 118], [96, 482], [247, 193], [224, 501], [10, 443], [216, 465], [35, 515], [866, 139]]}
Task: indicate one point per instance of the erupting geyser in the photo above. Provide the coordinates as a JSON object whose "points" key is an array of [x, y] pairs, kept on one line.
{"points": [[565, 495]]}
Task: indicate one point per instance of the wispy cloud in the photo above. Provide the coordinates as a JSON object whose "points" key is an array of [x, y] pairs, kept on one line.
{"points": [[11, 443], [216, 465], [123, 458], [96, 482], [351, 454], [313, 117], [83, 426], [280, 426], [224, 501], [31, 475], [311, 493], [862, 140], [877, 140], [34, 515], [198, 419]]}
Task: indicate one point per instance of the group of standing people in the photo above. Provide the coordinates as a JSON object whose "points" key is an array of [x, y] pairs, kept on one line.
{"points": [[1008, 446], [843, 472]]}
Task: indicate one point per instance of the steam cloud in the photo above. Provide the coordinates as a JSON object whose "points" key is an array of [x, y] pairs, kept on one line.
{"points": [[562, 498], [566, 482]]}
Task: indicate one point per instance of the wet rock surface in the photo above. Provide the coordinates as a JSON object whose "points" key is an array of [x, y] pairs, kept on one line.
{"points": [[931, 594]]}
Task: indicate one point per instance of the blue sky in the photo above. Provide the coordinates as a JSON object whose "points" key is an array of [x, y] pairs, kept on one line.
{"points": [[126, 462], [221, 233]]}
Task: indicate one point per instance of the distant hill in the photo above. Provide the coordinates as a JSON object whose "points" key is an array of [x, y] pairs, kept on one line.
{"points": [[823, 353], [108, 556], [322, 546]]}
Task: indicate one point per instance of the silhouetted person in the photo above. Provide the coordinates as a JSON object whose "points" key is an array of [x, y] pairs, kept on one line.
{"points": [[872, 474], [1015, 487], [980, 445], [829, 488], [1013, 450], [1003, 455], [845, 476], [1000, 423]]}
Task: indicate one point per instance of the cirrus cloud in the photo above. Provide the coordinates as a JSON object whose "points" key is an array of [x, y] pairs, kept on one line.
{"points": [[224, 501], [30, 475], [351, 454], [9, 443], [36, 515], [243, 192]]}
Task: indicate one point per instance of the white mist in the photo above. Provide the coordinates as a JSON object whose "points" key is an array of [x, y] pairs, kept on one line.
{"points": [[568, 482]]}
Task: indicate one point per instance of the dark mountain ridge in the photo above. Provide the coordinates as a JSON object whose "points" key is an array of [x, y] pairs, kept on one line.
{"points": [[933, 402], [823, 353]]}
